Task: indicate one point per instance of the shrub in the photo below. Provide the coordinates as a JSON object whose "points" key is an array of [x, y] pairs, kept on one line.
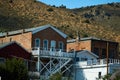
{"points": [[85, 35], [11, 1], [13, 69], [56, 76]]}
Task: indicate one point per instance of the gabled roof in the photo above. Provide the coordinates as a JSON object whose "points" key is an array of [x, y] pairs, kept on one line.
{"points": [[40, 28], [13, 49], [6, 44], [86, 51], [34, 30], [10, 43]]}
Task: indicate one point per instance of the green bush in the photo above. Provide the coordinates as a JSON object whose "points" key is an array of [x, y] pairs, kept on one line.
{"points": [[106, 77], [13, 69], [57, 76]]}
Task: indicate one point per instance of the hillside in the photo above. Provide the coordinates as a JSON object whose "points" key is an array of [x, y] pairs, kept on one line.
{"points": [[100, 21], [104, 15]]}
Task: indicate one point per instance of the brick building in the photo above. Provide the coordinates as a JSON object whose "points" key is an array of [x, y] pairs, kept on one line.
{"points": [[95, 45], [45, 37], [20, 36]]}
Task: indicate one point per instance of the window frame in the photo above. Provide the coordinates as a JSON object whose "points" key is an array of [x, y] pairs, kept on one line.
{"points": [[104, 53], [59, 45], [96, 51], [51, 45], [36, 42]]}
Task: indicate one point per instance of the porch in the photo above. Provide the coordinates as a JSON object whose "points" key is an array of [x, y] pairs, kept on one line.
{"points": [[48, 53]]}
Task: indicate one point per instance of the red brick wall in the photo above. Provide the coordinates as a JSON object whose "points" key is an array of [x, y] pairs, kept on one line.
{"points": [[90, 45], [48, 34], [82, 45], [23, 39]]}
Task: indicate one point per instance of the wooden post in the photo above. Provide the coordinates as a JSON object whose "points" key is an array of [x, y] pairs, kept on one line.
{"points": [[107, 56], [74, 64], [38, 66]]}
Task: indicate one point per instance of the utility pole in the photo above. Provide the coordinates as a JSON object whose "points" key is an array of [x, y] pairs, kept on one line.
{"points": [[38, 61], [75, 65], [38, 66], [107, 55]]}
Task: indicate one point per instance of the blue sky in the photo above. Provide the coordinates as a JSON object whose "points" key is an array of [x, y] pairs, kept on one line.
{"points": [[77, 3]]}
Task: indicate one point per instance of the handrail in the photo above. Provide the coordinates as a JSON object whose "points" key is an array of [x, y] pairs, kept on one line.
{"points": [[37, 52], [48, 49], [99, 62]]}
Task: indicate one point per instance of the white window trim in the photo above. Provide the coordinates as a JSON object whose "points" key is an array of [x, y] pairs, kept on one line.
{"points": [[62, 45], [36, 43], [52, 47]]}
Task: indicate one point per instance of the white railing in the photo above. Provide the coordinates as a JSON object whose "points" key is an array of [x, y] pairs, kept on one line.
{"points": [[56, 53], [98, 62], [114, 61], [37, 52]]}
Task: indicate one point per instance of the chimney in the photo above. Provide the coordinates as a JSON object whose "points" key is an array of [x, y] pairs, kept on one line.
{"points": [[7, 34], [1, 42], [78, 37], [10, 39], [23, 30]]}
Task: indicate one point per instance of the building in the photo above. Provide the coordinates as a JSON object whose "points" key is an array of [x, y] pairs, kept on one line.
{"points": [[43, 40], [89, 67], [95, 45], [13, 50], [24, 38], [82, 64], [48, 45], [45, 37], [85, 55]]}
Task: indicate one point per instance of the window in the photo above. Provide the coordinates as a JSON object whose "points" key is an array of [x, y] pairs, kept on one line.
{"points": [[111, 53], [77, 59], [53, 45], [84, 59], [61, 45], [103, 53], [37, 42], [45, 44], [96, 51]]}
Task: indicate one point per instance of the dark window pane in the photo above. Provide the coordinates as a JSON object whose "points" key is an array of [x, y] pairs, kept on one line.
{"points": [[96, 51]]}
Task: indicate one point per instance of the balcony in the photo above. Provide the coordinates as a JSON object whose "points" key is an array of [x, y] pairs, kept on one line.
{"points": [[55, 53]]}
